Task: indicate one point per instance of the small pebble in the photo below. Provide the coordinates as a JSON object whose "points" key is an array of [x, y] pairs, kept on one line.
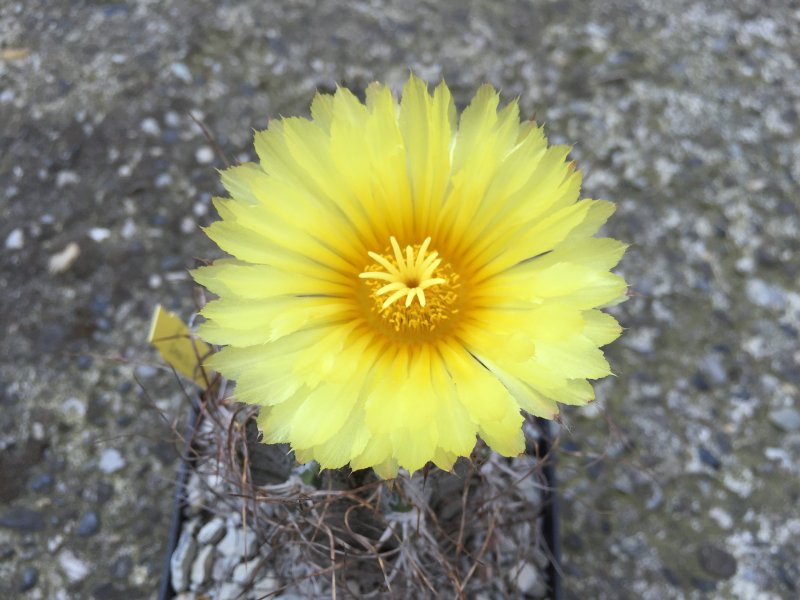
{"points": [[181, 71], [163, 180], [200, 209], [74, 409], [15, 240], [707, 458], [181, 561], [30, 577], [765, 295], [111, 461], [529, 580], [204, 155], [229, 591], [223, 567], [238, 542], [74, 568], [145, 372], [150, 126], [99, 234], [128, 229], [37, 431], [212, 531], [188, 225], [201, 567], [716, 562], [42, 482], [246, 572], [62, 261], [172, 119], [787, 419], [22, 519], [65, 178], [89, 525], [122, 567]]}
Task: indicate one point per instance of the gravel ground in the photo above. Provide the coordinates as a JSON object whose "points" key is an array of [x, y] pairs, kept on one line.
{"points": [[679, 482]]}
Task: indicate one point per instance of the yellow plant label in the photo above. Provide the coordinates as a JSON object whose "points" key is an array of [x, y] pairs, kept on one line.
{"points": [[182, 351]]}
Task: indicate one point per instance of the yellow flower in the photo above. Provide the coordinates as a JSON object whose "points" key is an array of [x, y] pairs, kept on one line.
{"points": [[403, 282]]}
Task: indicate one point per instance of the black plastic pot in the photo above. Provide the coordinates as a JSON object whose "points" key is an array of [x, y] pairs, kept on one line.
{"points": [[550, 517]]}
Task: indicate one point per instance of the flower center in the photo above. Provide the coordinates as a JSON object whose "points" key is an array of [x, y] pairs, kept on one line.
{"points": [[411, 292]]}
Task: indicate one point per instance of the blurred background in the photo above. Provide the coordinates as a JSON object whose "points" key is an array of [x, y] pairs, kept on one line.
{"points": [[681, 481]]}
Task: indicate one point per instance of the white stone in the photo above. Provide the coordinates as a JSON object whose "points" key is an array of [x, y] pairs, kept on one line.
{"points": [[99, 234], [74, 568], [223, 567], [128, 229], [15, 239], [62, 261], [201, 567], [246, 572], [204, 155], [188, 225], [200, 209], [268, 583], [181, 561], [74, 408], [722, 517], [64, 178], [229, 591], [238, 542], [212, 531], [111, 461], [529, 580], [181, 71], [766, 295], [172, 119], [37, 431], [150, 126]]}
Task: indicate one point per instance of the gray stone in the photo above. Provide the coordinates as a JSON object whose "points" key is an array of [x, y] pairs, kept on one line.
{"points": [[22, 519], [716, 562], [787, 419], [713, 367], [89, 524], [29, 579], [181, 561], [201, 567], [212, 531]]}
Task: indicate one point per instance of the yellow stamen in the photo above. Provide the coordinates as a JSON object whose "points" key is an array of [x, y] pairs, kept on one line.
{"points": [[411, 273]]}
